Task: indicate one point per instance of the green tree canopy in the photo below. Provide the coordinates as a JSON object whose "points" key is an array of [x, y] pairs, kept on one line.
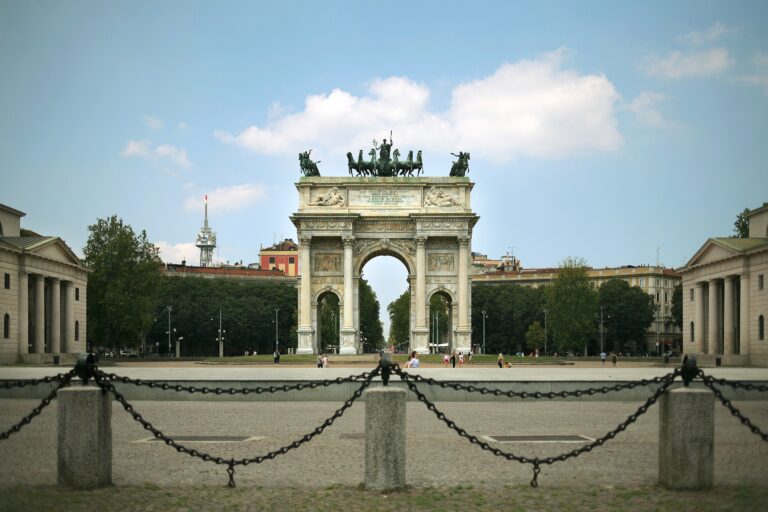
{"points": [[122, 285], [627, 312], [371, 330], [535, 336], [572, 303], [440, 328], [677, 305], [400, 319], [741, 226], [510, 309]]}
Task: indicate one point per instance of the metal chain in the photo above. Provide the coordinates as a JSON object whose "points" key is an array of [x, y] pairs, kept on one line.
{"points": [[536, 462], [107, 385], [736, 384], [538, 394], [64, 380], [710, 383], [10, 384], [366, 376]]}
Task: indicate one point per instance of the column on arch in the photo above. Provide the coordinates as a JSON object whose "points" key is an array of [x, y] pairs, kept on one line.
{"points": [[728, 316], [23, 313], [305, 297], [744, 324], [421, 282], [349, 299], [713, 326], [463, 282], [39, 344], [55, 316], [698, 326]]}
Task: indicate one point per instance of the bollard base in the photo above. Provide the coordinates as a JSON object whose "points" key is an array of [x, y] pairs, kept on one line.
{"points": [[385, 439]]}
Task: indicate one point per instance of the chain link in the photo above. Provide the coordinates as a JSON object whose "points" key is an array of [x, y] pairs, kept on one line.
{"points": [[710, 383], [64, 380], [748, 386], [11, 384], [536, 462], [107, 385]]}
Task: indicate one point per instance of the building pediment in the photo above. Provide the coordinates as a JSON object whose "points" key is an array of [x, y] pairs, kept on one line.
{"points": [[49, 247]]}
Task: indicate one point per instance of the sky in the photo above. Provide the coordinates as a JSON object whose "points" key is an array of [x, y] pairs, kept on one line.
{"points": [[624, 133]]}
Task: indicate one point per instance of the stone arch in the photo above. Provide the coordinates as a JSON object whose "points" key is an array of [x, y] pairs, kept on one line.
{"points": [[396, 217], [321, 344]]}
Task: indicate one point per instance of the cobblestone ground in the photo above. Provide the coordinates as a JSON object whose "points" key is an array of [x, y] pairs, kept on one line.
{"points": [[436, 456]]}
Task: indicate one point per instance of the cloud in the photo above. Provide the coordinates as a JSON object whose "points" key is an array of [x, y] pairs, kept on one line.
{"points": [[227, 199], [164, 152], [760, 75], [176, 155], [709, 35], [177, 252], [644, 107], [136, 148], [181, 125], [684, 64], [527, 108], [153, 122]]}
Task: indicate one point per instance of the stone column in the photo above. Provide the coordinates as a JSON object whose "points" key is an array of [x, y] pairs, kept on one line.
{"points": [[23, 313], [69, 318], [463, 285], [55, 316], [305, 318], [421, 281], [728, 310], [39, 346], [713, 324], [698, 324], [744, 326], [385, 439], [347, 332]]}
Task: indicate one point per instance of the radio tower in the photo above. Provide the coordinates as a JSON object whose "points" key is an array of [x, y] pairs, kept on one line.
{"points": [[206, 241]]}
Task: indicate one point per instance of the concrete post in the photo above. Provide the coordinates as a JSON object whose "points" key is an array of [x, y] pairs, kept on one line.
{"points": [[84, 437], [686, 439], [384, 439]]}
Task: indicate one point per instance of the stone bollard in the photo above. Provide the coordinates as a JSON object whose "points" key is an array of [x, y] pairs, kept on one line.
{"points": [[384, 439], [85, 437], [686, 439]]}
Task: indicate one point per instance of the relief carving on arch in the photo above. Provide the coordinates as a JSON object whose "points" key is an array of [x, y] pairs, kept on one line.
{"points": [[326, 243], [327, 262], [440, 263], [441, 243]]}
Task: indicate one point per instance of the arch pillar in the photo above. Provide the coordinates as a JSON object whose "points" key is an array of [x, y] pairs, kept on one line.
{"points": [[305, 330], [347, 333], [463, 338]]}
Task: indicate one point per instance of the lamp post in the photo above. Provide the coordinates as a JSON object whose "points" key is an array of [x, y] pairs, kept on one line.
{"points": [[178, 346], [169, 330], [221, 337], [601, 331], [545, 331], [277, 340], [485, 315]]}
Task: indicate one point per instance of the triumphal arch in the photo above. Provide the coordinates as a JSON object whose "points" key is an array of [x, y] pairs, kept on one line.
{"points": [[343, 222]]}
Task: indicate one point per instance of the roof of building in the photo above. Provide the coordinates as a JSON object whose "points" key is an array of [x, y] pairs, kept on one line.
{"points": [[740, 244], [32, 243], [285, 245], [758, 210], [13, 211]]}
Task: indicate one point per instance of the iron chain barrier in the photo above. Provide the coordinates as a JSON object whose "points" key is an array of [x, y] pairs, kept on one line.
{"points": [[86, 369]]}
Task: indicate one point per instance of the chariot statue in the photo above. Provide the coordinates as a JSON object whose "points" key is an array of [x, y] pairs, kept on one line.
{"points": [[461, 166], [308, 167], [388, 162]]}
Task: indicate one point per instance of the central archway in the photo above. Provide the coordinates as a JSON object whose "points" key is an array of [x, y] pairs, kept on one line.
{"points": [[396, 217]]}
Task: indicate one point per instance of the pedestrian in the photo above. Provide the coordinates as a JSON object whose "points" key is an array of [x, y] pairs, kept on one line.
{"points": [[319, 360], [414, 361], [461, 359], [276, 356], [446, 360], [469, 357], [325, 360], [453, 359], [602, 358], [613, 358], [500, 360]]}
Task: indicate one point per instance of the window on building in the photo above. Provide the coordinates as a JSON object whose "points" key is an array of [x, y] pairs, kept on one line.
{"points": [[7, 326], [271, 260], [291, 260], [691, 331], [760, 327], [658, 281], [691, 294], [665, 297], [77, 293], [7, 281], [657, 297], [642, 281], [759, 282], [77, 330]]}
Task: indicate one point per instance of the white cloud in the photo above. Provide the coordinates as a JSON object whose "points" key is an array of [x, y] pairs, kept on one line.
{"points": [[681, 64], [644, 107], [136, 148], [176, 253], [226, 199], [709, 35], [529, 108], [181, 125], [176, 155], [153, 122], [760, 75]]}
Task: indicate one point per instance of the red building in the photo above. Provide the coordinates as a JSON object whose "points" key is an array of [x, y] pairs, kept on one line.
{"points": [[282, 256]]}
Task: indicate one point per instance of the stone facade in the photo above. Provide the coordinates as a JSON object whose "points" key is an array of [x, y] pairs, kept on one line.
{"points": [[342, 223], [725, 301], [42, 297]]}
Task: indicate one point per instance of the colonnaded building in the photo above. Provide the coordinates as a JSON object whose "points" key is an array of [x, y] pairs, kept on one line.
{"points": [[425, 222], [725, 301], [43, 297]]}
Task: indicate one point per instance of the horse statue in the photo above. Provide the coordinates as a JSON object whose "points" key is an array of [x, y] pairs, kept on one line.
{"points": [[353, 166], [418, 165], [308, 167], [461, 166], [367, 168]]}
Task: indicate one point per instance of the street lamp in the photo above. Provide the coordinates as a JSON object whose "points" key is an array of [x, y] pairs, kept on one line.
{"points": [[485, 315], [601, 331], [169, 330], [277, 341], [545, 331]]}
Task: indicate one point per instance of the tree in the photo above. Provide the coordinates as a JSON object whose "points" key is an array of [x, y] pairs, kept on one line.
{"points": [[677, 305], [535, 335], [371, 330], [510, 309], [400, 319], [741, 226], [572, 303], [439, 306], [125, 270], [328, 312], [627, 312]]}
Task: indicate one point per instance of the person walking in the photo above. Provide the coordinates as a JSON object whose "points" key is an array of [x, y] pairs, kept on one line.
{"points": [[325, 360], [414, 361], [614, 358], [319, 360], [446, 360], [500, 360], [453, 359], [276, 356], [461, 359], [602, 358]]}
